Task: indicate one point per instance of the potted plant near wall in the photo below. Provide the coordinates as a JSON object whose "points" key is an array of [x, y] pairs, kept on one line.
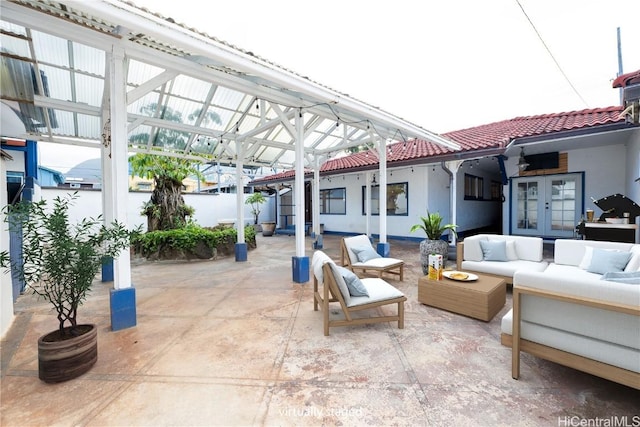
{"points": [[255, 200], [433, 244], [60, 262]]}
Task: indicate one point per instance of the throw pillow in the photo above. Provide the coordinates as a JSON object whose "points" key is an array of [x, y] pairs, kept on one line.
{"points": [[494, 250], [604, 261], [512, 254], [365, 253], [354, 284], [630, 277], [634, 262], [586, 259]]}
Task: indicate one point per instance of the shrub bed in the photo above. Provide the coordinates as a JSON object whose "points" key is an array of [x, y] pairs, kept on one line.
{"points": [[191, 242]]}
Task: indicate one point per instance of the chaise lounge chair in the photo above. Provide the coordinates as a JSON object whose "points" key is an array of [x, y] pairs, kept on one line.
{"points": [[358, 254], [335, 289]]}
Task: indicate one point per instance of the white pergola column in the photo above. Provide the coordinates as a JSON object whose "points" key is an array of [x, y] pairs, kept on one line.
{"points": [[300, 262], [318, 243], [115, 184], [241, 246]]}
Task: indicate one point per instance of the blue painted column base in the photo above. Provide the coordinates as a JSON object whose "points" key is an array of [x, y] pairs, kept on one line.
{"points": [[107, 269], [300, 265], [384, 249], [241, 252], [318, 244], [123, 308]]}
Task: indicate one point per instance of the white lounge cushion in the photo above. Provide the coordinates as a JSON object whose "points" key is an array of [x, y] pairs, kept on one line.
{"points": [[318, 260], [378, 289], [378, 263], [360, 240]]}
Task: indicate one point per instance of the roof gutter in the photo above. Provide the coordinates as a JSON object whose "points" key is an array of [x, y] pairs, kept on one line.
{"points": [[557, 136]]}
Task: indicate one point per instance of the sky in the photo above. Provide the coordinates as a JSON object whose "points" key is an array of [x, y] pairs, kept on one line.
{"points": [[443, 65]]}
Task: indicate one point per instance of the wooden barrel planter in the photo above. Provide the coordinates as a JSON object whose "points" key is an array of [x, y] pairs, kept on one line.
{"points": [[62, 360]]}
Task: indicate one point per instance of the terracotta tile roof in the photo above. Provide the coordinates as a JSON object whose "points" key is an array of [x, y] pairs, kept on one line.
{"points": [[627, 79], [485, 137]]}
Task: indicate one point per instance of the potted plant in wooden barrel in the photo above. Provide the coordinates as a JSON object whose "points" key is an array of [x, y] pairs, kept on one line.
{"points": [[59, 263]]}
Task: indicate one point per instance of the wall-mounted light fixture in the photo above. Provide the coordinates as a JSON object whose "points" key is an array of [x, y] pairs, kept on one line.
{"points": [[373, 181], [522, 162]]}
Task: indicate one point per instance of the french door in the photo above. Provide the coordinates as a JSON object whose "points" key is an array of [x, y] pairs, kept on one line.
{"points": [[546, 206]]}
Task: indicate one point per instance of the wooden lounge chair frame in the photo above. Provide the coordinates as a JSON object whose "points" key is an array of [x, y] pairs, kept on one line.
{"points": [[593, 367], [394, 266], [331, 293]]}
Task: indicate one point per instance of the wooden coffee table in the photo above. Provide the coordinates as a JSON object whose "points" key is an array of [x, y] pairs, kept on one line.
{"points": [[481, 299]]}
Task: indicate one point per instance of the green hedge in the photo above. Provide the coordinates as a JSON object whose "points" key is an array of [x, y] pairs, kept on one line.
{"points": [[189, 241]]}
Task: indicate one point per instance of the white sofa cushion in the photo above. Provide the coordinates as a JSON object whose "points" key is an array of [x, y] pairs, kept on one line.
{"points": [[572, 252], [602, 350], [525, 247], [503, 268], [574, 281]]}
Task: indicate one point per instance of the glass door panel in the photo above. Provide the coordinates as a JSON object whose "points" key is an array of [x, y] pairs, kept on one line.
{"points": [[547, 206]]}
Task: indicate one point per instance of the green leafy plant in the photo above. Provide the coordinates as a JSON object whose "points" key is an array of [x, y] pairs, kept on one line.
{"points": [[166, 209], [255, 200], [433, 227], [187, 239], [59, 259]]}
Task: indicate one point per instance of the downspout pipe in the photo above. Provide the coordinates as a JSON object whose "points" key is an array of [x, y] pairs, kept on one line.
{"points": [[452, 200]]}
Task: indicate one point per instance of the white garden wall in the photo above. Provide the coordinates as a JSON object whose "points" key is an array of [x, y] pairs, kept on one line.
{"points": [[210, 209]]}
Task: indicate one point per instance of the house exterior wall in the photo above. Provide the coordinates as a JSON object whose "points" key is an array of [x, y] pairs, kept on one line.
{"points": [[210, 209], [354, 221], [605, 171], [477, 214], [633, 171]]}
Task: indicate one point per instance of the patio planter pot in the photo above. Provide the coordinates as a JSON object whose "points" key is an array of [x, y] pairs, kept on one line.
{"points": [[64, 359], [428, 247], [268, 228]]}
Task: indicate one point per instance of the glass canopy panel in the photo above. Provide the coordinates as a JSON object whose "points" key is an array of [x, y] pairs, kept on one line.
{"points": [[139, 137], [140, 72], [51, 49], [228, 99], [89, 89], [141, 106], [59, 82], [188, 87], [89, 60], [180, 110], [15, 46], [87, 126], [12, 28]]}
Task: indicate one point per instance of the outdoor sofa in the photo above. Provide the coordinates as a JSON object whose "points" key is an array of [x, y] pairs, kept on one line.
{"points": [[580, 311]]}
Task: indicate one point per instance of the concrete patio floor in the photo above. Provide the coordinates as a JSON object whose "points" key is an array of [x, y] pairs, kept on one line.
{"points": [[227, 343]]}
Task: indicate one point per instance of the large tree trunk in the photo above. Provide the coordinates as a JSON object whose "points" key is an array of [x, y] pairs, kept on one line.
{"points": [[168, 210]]}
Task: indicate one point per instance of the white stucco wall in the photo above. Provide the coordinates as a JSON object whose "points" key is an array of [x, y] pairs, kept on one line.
{"points": [[477, 214], [209, 209], [605, 170], [418, 201]]}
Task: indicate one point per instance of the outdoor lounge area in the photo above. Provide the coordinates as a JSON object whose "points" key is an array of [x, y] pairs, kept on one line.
{"points": [[227, 343]]}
